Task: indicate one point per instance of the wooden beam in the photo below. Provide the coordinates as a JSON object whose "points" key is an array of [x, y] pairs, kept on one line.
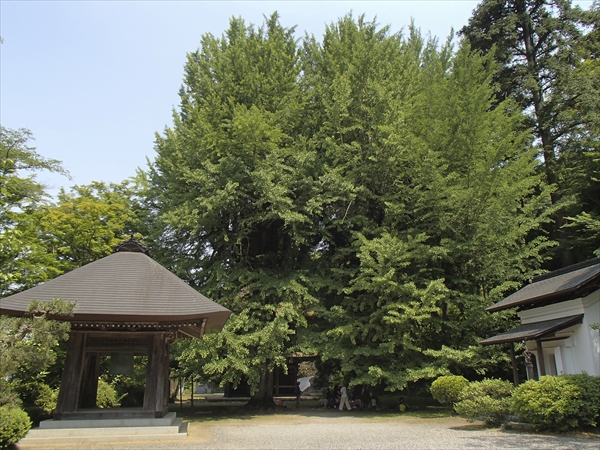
{"points": [[89, 381], [70, 382], [156, 394], [513, 360], [139, 350], [191, 331], [540, 357]]}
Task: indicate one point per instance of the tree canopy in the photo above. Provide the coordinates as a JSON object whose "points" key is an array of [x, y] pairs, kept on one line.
{"points": [[362, 197], [546, 60], [359, 197]]}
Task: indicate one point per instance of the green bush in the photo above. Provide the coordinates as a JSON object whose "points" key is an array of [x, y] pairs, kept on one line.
{"points": [[558, 403], [38, 399], [488, 400], [107, 396], [589, 400], [14, 425], [446, 389]]}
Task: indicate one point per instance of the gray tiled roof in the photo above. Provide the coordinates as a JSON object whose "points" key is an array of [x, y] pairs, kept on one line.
{"points": [[125, 286], [532, 331], [565, 284]]}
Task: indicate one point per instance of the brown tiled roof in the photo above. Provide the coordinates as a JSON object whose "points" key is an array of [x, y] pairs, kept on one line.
{"points": [[568, 283], [123, 287], [532, 331]]}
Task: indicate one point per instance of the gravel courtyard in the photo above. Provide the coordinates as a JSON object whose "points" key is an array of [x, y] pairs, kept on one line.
{"points": [[333, 430]]}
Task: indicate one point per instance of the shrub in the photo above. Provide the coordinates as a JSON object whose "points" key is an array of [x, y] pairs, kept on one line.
{"points": [[14, 425], [446, 389], [589, 400], [552, 403], [107, 396], [38, 399], [488, 400]]}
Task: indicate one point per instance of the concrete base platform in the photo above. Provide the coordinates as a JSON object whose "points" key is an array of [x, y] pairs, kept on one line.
{"points": [[57, 432]]}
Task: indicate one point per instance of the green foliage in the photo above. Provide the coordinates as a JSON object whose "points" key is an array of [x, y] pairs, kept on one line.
{"points": [[589, 400], [488, 400], [14, 425], [37, 398], [558, 402], [86, 223], [446, 389], [337, 197], [28, 346], [23, 259], [237, 197], [129, 389], [438, 176], [107, 396], [546, 60]]}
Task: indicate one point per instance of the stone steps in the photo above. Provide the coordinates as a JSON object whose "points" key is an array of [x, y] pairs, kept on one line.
{"points": [[106, 430]]}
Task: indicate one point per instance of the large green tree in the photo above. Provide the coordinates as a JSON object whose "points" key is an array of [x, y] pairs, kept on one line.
{"points": [[437, 198], [362, 197], [234, 187], [546, 56]]}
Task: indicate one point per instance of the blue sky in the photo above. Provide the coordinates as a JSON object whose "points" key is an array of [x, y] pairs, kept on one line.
{"points": [[94, 80]]}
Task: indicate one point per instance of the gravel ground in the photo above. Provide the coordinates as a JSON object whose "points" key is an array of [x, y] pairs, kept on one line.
{"points": [[321, 431]]}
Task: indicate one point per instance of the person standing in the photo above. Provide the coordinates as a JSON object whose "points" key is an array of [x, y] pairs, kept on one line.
{"points": [[344, 398]]}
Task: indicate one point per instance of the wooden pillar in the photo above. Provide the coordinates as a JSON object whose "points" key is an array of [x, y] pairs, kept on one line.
{"points": [[156, 394], [89, 382], [70, 383], [540, 357], [513, 360]]}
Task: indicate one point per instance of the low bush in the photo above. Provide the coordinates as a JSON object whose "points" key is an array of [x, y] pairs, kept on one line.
{"points": [[446, 389], [488, 400], [558, 403], [107, 396], [589, 400], [14, 425], [38, 399]]}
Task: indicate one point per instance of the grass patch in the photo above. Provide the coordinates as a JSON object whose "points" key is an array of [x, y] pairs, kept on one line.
{"points": [[205, 411]]}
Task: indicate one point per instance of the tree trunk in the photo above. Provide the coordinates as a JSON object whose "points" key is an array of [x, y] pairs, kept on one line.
{"points": [[263, 398]]}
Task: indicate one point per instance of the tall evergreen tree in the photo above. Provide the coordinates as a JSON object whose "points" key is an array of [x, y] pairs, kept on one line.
{"points": [[546, 52]]}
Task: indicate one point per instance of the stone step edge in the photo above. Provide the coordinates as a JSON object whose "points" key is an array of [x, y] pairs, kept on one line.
{"points": [[50, 424], [26, 441]]}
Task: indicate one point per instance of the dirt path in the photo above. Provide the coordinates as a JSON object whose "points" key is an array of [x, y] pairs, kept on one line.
{"points": [[348, 431]]}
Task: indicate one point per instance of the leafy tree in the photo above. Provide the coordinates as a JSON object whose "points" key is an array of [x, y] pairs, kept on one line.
{"points": [[86, 223], [546, 55], [23, 260], [29, 344], [440, 197], [234, 187], [362, 197]]}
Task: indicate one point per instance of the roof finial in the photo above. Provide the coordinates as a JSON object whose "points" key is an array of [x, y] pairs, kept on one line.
{"points": [[132, 245]]}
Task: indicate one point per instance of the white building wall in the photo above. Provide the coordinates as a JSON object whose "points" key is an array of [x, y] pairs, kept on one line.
{"points": [[579, 351]]}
